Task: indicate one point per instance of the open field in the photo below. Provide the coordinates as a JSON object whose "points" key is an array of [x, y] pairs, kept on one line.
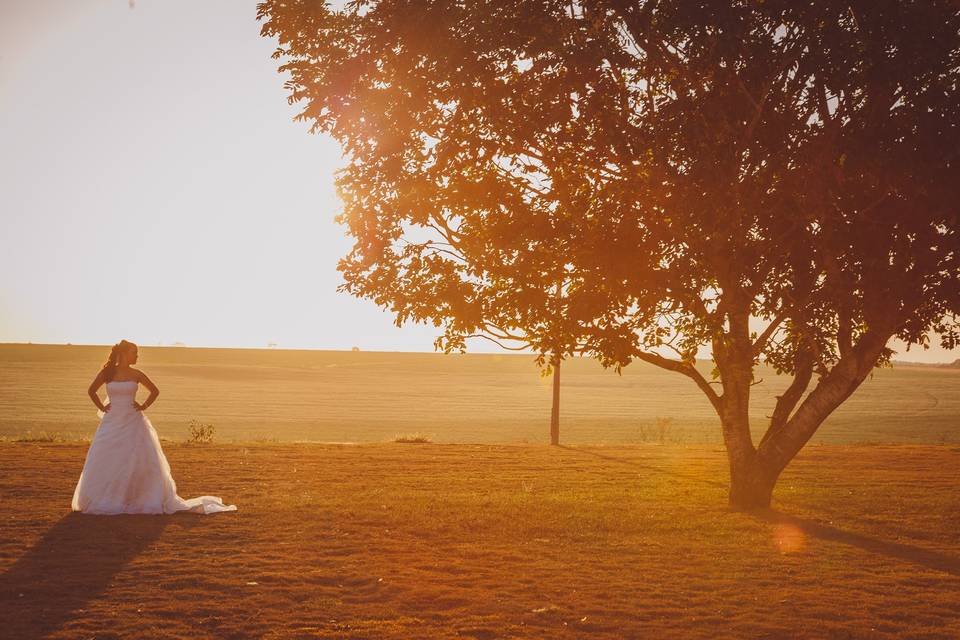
{"points": [[479, 541], [339, 396]]}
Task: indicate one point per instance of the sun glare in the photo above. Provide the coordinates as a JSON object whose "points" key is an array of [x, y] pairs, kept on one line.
{"points": [[788, 538]]}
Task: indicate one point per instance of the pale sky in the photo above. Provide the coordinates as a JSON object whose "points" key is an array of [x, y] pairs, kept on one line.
{"points": [[154, 187]]}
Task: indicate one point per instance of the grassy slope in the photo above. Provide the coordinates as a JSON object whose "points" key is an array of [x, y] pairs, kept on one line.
{"points": [[478, 541], [342, 396]]}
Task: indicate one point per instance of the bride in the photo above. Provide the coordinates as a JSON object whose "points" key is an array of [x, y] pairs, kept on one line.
{"points": [[125, 470]]}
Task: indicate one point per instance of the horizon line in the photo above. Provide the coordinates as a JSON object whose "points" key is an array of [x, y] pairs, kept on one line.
{"points": [[359, 350]]}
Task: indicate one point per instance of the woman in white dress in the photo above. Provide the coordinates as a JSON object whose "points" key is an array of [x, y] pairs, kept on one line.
{"points": [[125, 470]]}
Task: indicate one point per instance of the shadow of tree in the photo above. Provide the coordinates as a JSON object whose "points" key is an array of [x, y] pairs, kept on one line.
{"points": [[908, 553], [899, 551], [649, 467], [71, 565]]}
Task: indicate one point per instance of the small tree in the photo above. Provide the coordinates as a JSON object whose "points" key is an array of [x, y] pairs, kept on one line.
{"points": [[776, 181]]}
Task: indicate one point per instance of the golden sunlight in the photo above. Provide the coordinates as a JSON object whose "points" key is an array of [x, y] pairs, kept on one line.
{"points": [[712, 221], [788, 537]]}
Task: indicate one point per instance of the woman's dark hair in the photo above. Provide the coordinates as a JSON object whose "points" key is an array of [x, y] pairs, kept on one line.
{"points": [[113, 360]]}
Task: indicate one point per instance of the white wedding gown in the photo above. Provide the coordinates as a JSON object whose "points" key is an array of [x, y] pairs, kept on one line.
{"points": [[125, 470]]}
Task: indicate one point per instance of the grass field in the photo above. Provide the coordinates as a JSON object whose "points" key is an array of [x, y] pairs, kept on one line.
{"points": [[487, 538], [370, 397], [480, 541]]}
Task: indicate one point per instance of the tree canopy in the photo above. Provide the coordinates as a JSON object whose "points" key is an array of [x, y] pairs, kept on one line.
{"points": [[775, 181]]}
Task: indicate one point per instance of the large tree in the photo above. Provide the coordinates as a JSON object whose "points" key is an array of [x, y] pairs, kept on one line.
{"points": [[775, 181]]}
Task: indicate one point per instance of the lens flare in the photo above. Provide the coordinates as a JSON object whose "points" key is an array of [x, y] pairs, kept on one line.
{"points": [[788, 538]]}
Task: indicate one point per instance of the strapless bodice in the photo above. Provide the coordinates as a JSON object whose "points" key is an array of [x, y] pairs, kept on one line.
{"points": [[122, 394]]}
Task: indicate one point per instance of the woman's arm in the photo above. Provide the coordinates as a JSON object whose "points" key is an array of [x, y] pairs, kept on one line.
{"points": [[92, 392], [154, 391]]}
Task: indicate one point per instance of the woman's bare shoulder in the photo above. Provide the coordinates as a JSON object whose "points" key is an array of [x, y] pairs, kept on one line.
{"points": [[141, 376]]}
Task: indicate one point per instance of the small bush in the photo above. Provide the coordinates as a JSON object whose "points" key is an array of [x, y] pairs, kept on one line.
{"points": [[42, 436], [661, 431], [200, 433], [411, 437]]}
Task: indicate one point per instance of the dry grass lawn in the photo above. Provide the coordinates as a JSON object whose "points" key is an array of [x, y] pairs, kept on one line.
{"points": [[482, 541]]}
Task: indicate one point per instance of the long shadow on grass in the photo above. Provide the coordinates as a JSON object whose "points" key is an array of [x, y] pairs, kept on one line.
{"points": [[71, 565], [639, 465], [925, 557]]}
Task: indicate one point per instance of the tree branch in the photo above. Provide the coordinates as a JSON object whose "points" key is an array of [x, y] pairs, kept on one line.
{"points": [[687, 370], [764, 337], [434, 250], [790, 397], [832, 390], [502, 334], [497, 342]]}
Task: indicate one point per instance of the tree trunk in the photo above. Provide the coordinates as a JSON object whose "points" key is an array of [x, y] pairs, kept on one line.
{"points": [[753, 473], [555, 409], [751, 483], [751, 476]]}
